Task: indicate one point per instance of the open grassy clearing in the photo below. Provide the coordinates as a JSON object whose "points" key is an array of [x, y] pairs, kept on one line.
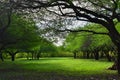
{"points": [[57, 69]]}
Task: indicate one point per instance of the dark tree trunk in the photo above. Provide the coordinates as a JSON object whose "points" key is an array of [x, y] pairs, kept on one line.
{"points": [[102, 54], [35, 55], [91, 55], [1, 56], [115, 37], [27, 56], [75, 55], [32, 56], [108, 56], [118, 60], [13, 57], [12, 54], [88, 55], [96, 55], [84, 56], [38, 55]]}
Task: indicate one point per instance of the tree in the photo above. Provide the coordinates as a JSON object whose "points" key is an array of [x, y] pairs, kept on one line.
{"points": [[91, 45], [45, 46], [5, 19], [73, 39], [22, 34], [48, 47], [95, 11]]}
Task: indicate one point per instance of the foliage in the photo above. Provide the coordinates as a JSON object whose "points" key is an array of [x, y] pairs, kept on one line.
{"points": [[21, 33], [73, 41], [86, 41], [99, 12]]}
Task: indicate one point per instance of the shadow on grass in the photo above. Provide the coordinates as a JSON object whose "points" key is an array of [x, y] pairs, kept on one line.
{"points": [[33, 75], [52, 70]]}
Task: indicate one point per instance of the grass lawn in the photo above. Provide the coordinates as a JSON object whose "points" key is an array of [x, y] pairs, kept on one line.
{"points": [[57, 69]]}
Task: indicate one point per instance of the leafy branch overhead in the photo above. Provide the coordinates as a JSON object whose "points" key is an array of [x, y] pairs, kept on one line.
{"points": [[100, 12], [89, 9]]}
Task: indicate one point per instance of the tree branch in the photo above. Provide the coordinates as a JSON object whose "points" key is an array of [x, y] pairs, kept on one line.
{"points": [[102, 6], [79, 9], [114, 9], [90, 31]]}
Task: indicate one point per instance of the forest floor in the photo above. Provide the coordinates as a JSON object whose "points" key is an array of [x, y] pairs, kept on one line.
{"points": [[57, 69]]}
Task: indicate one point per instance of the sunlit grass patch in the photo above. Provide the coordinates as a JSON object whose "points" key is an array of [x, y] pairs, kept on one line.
{"points": [[67, 65], [56, 66]]}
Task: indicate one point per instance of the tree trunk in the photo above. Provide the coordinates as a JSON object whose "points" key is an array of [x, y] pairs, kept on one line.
{"points": [[118, 61], [1, 57], [96, 55], [75, 55], [108, 56], [32, 56], [27, 56], [12, 54], [88, 55], [115, 37], [13, 57], [102, 54], [84, 55], [116, 65], [38, 55]]}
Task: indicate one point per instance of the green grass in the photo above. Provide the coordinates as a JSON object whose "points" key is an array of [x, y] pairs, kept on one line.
{"points": [[54, 66]]}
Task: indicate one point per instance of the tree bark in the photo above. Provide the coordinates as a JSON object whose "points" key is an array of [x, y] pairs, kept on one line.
{"points": [[38, 55], [27, 56], [13, 57], [108, 56], [96, 55], [12, 54], [84, 55], [75, 55], [118, 60], [1, 57], [32, 56], [88, 55], [115, 37]]}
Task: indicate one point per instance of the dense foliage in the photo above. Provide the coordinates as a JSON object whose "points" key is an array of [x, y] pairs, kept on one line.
{"points": [[89, 43]]}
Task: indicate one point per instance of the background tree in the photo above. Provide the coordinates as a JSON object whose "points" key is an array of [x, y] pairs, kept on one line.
{"points": [[22, 33], [45, 48], [73, 39], [5, 19], [49, 48], [91, 45]]}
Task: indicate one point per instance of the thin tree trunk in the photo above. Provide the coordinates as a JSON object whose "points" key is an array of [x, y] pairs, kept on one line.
{"points": [[96, 55], [88, 55], [84, 56], [38, 56], [75, 55], [108, 57], [32, 56], [27, 56], [1, 57]]}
